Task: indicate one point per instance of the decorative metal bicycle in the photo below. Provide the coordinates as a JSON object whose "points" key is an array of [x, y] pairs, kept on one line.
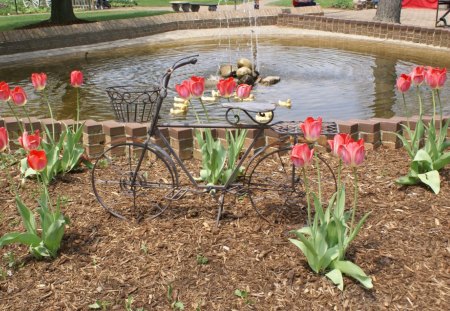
{"points": [[142, 179]]}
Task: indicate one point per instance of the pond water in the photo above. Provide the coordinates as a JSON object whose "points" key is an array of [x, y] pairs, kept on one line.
{"points": [[336, 79]]}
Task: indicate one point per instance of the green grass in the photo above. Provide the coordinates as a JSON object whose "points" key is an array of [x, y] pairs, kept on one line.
{"points": [[16, 21], [322, 3]]}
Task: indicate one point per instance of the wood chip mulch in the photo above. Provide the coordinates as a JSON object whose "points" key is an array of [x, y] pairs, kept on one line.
{"points": [[404, 247]]}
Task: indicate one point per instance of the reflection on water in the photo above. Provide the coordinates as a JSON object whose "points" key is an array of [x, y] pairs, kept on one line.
{"points": [[335, 80]]}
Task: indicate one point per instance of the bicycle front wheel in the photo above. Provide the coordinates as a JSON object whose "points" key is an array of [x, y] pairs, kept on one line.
{"points": [[277, 189], [125, 193]]}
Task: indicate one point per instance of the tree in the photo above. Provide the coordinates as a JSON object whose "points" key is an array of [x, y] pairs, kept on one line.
{"points": [[389, 11], [62, 12]]}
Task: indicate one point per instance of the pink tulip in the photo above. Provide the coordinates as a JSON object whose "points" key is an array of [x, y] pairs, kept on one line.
{"points": [[312, 128], [436, 77], [197, 86], [418, 75], [3, 139], [184, 89], [37, 160], [5, 92], [76, 78], [243, 91], [18, 96], [353, 153], [30, 142], [226, 87], [404, 83], [301, 155], [39, 81], [338, 141]]}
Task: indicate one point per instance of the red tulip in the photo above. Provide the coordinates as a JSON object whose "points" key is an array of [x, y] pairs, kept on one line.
{"points": [[352, 153], [338, 141], [39, 81], [76, 78], [243, 91], [418, 75], [226, 87], [3, 139], [18, 96], [404, 83], [5, 92], [30, 142], [301, 155], [197, 86], [184, 89], [37, 160], [311, 128], [436, 77]]}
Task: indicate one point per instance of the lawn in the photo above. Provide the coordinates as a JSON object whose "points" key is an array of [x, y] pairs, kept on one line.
{"points": [[17, 21]]}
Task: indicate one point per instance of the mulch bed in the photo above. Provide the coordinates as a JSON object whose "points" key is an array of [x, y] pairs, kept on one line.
{"points": [[404, 247]]}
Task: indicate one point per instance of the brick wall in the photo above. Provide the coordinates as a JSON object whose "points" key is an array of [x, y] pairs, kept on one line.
{"points": [[98, 136]]}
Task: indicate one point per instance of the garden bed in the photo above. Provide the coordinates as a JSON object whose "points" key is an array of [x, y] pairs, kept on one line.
{"points": [[404, 246]]}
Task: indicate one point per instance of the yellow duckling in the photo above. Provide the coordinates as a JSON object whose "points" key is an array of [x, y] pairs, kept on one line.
{"points": [[209, 99], [179, 100], [250, 98], [177, 111], [215, 93], [262, 119], [286, 103], [182, 106]]}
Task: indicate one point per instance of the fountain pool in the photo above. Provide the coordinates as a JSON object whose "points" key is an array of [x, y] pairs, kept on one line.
{"points": [[338, 78]]}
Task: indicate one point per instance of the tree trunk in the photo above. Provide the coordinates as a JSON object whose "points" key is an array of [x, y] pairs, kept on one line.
{"points": [[62, 12], [388, 11]]}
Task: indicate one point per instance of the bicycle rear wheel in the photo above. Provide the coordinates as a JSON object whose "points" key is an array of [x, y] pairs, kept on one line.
{"points": [[124, 195], [277, 189]]}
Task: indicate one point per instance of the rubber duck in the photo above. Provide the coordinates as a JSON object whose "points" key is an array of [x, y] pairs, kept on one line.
{"points": [[215, 93], [179, 100], [286, 103], [209, 98], [262, 119], [177, 111], [182, 106]]}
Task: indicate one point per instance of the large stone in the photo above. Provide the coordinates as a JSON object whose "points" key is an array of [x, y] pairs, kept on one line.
{"points": [[270, 80], [243, 71], [247, 79], [244, 62], [227, 70]]}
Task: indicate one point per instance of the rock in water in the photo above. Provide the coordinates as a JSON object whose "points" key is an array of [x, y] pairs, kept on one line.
{"points": [[227, 70], [243, 71], [244, 62], [270, 80], [247, 79]]}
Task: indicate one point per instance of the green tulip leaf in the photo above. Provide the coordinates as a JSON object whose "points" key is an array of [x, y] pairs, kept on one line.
{"points": [[29, 221], [352, 270], [432, 179], [26, 238], [335, 276]]}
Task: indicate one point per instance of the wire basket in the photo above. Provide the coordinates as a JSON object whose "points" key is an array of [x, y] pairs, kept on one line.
{"points": [[131, 104]]}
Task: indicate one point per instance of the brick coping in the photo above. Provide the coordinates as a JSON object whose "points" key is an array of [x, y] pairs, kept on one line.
{"points": [[18, 41], [98, 136]]}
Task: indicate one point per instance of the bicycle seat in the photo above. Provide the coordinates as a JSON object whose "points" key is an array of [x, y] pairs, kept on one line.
{"points": [[250, 107]]}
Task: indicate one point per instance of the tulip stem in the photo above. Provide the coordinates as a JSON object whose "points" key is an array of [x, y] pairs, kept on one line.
{"points": [[318, 176], [339, 175], [419, 95], [51, 115], [434, 104], [29, 119], [440, 105], [305, 179], [355, 200], [78, 108], [15, 115], [204, 109], [406, 110]]}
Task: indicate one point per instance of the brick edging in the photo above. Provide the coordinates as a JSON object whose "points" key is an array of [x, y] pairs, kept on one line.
{"points": [[97, 136]]}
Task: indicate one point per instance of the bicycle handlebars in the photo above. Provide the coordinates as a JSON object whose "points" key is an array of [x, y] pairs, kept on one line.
{"points": [[192, 59]]}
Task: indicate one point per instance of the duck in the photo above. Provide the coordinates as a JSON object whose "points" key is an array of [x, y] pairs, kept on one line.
{"points": [[262, 119], [177, 111], [208, 98], [180, 100], [250, 98], [215, 93], [286, 103], [182, 106]]}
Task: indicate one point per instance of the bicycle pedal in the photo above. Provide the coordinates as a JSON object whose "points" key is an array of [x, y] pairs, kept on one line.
{"points": [[176, 194]]}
